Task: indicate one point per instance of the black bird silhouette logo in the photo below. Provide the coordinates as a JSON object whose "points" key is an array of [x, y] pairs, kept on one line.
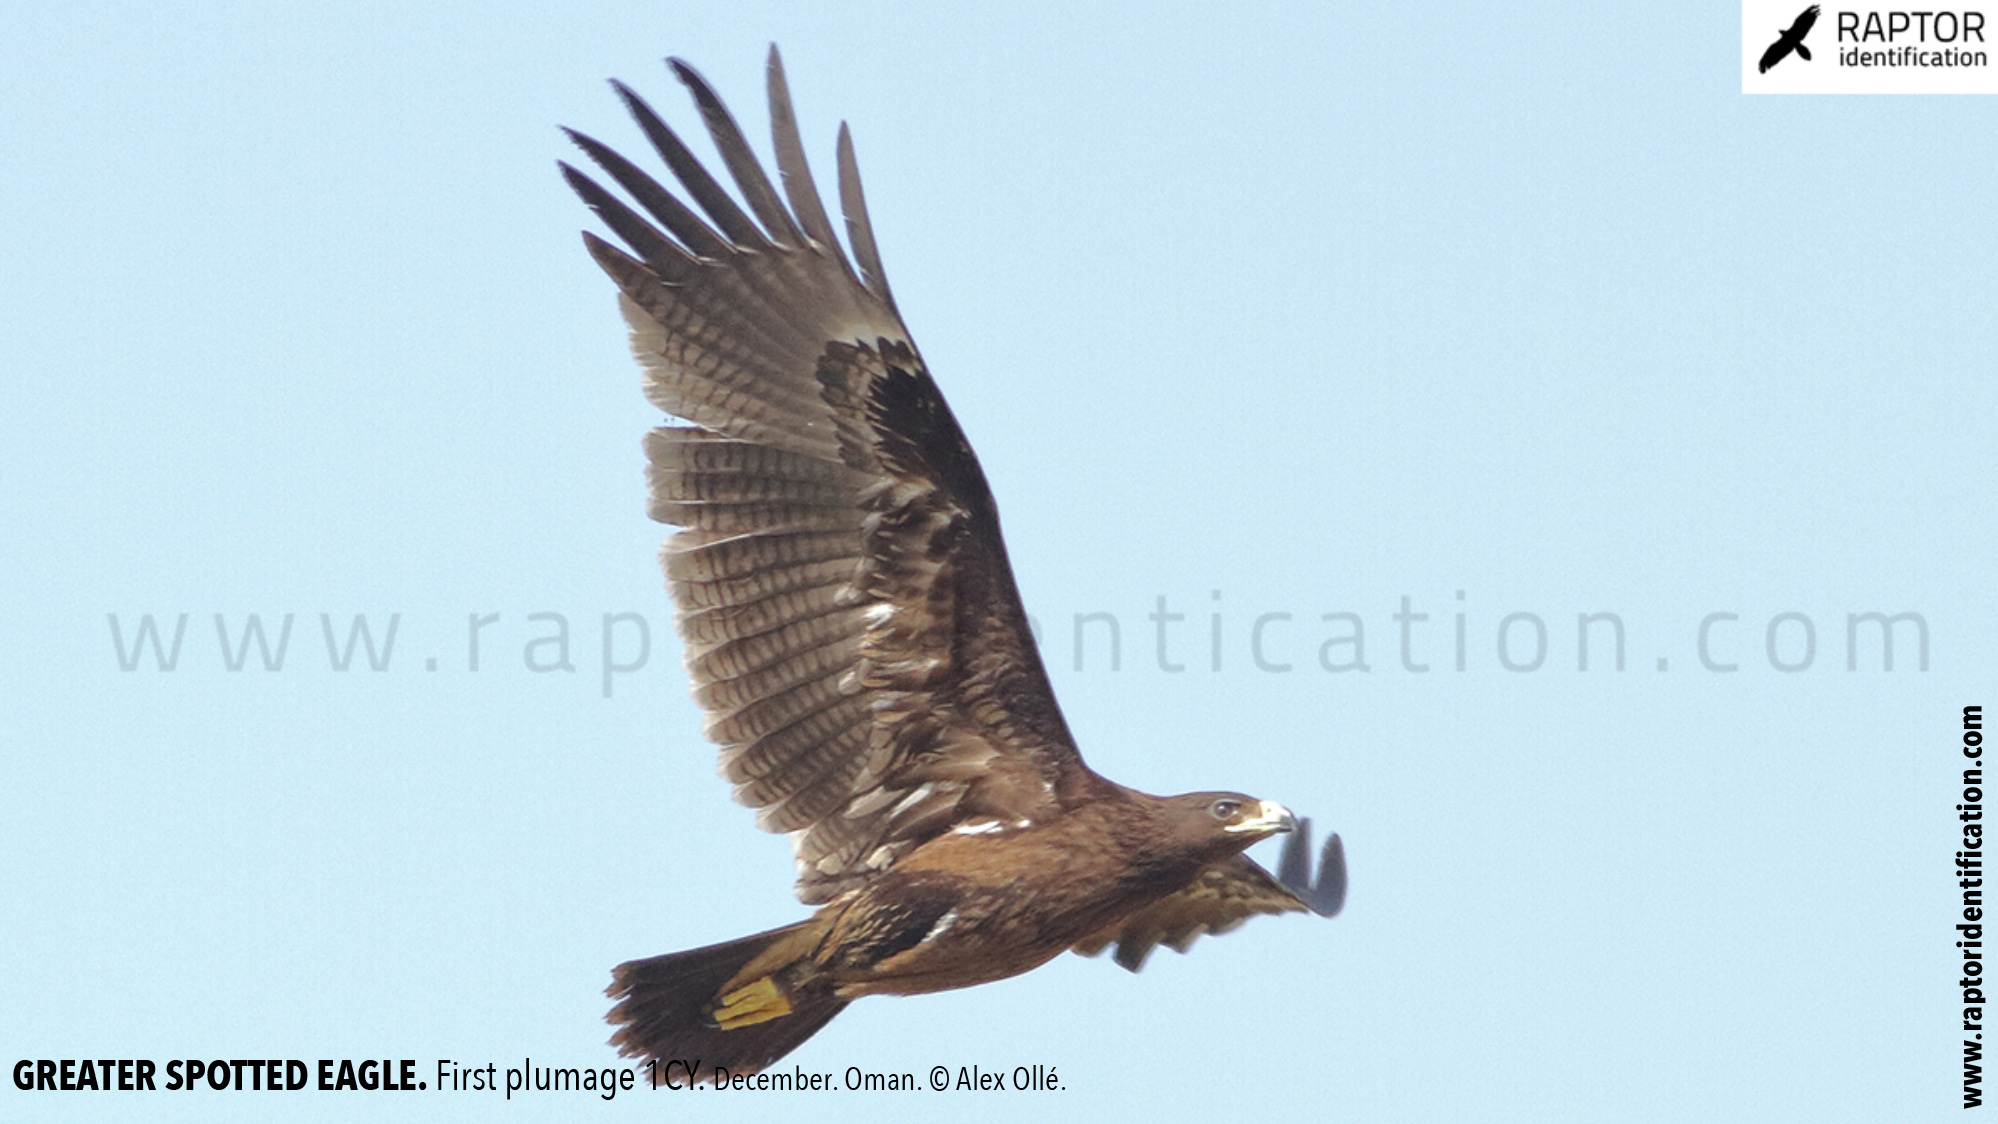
{"points": [[1791, 40]]}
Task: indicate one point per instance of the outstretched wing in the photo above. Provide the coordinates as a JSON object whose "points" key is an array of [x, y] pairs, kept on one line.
{"points": [[1802, 27], [851, 623], [1227, 894]]}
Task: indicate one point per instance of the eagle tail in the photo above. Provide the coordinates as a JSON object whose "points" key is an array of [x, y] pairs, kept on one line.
{"points": [[739, 1005], [1803, 52]]}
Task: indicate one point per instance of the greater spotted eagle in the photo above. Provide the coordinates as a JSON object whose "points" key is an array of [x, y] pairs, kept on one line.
{"points": [[855, 638]]}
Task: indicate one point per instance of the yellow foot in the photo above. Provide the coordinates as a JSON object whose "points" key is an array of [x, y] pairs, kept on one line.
{"points": [[750, 1004]]}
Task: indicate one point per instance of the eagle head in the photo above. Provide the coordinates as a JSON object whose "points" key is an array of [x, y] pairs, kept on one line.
{"points": [[1219, 824]]}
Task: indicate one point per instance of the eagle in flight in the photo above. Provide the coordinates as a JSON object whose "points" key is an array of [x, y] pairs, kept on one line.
{"points": [[855, 638], [1791, 40]]}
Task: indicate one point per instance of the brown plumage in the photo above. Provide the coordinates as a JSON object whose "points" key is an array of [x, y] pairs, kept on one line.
{"points": [[854, 635]]}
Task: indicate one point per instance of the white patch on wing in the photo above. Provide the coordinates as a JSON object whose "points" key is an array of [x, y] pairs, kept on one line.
{"points": [[916, 796], [941, 927], [990, 827]]}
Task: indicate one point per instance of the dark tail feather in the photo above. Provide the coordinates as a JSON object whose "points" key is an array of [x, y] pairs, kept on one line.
{"points": [[665, 1006]]}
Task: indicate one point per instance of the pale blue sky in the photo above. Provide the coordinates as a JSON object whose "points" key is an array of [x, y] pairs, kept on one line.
{"points": [[1312, 308]]}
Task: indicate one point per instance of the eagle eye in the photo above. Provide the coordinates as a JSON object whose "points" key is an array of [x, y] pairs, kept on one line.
{"points": [[1225, 809]]}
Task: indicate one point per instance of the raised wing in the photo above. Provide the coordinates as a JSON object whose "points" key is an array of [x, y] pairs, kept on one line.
{"points": [[851, 623], [1227, 894], [1805, 21]]}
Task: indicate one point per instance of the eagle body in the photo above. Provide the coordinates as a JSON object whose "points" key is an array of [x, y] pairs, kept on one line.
{"points": [[998, 902], [855, 636]]}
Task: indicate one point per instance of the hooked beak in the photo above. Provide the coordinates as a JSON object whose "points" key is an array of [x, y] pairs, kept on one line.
{"points": [[1270, 818]]}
